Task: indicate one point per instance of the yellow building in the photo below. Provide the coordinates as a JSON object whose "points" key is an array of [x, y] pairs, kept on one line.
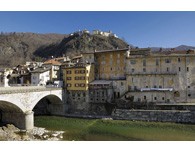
{"points": [[78, 76], [111, 64]]}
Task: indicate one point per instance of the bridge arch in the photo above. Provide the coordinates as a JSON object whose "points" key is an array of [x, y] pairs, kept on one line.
{"points": [[6, 106], [49, 104]]}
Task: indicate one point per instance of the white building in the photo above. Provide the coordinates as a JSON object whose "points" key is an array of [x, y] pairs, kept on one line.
{"points": [[40, 76]]}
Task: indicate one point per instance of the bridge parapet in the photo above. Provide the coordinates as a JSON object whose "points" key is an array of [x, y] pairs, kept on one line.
{"points": [[11, 90]]}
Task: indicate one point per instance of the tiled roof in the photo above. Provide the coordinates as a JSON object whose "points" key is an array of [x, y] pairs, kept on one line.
{"points": [[52, 62]]}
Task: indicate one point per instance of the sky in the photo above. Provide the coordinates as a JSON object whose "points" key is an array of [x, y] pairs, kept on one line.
{"points": [[139, 28]]}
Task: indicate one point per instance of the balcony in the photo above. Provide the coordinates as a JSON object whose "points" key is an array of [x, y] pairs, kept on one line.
{"points": [[150, 89], [151, 73]]}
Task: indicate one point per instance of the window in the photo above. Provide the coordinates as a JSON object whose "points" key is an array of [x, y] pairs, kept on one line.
{"points": [[179, 60], [167, 61], [68, 72], [82, 85], [154, 86], [188, 86], [187, 69], [83, 94], [144, 97], [68, 85], [132, 70], [82, 71], [76, 71], [122, 83], [167, 69], [155, 98], [132, 61], [157, 62], [146, 86], [144, 69], [144, 62], [163, 98], [160, 86], [76, 85], [179, 69], [111, 69], [189, 95], [68, 78], [129, 87]]}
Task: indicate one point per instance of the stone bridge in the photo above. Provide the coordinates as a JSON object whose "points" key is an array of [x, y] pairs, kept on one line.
{"points": [[17, 104]]}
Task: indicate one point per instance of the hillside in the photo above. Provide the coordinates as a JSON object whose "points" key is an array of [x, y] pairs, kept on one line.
{"points": [[76, 44], [16, 48]]}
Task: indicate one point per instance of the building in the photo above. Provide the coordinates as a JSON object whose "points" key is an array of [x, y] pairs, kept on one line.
{"points": [[161, 77], [4, 73], [77, 77], [54, 64], [40, 76], [110, 64]]}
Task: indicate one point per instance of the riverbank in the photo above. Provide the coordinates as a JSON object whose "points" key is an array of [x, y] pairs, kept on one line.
{"points": [[11, 133]]}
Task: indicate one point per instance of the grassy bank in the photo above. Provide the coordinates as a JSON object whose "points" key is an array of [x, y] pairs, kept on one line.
{"points": [[97, 129]]}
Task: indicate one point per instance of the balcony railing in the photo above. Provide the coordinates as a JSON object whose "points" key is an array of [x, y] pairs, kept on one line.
{"points": [[150, 89], [151, 73]]}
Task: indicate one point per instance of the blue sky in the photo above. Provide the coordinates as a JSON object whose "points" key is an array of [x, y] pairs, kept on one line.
{"points": [[142, 29]]}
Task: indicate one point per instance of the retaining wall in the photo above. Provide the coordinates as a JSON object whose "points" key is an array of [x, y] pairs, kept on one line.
{"points": [[155, 115]]}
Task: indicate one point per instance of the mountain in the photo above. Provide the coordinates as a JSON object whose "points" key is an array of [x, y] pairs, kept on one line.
{"points": [[16, 48], [79, 43], [184, 47], [181, 47]]}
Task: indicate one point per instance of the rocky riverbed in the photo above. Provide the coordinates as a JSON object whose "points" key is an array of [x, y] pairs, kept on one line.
{"points": [[11, 133]]}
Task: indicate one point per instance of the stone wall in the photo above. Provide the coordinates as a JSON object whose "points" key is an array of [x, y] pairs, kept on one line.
{"points": [[155, 115]]}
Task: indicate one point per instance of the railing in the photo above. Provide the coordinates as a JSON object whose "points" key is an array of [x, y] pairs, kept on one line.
{"points": [[150, 89], [24, 89], [151, 73]]}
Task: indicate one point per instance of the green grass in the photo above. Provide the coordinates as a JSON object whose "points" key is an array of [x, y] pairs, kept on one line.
{"points": [[97, 129]]}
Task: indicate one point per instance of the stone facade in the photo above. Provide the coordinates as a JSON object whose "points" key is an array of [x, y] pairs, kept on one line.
{"points": [[158, 72]]}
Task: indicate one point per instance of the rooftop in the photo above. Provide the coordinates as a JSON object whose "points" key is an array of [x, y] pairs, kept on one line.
{"points": [[113, 50], [100, 82], [41, 70], [51, 62]]}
